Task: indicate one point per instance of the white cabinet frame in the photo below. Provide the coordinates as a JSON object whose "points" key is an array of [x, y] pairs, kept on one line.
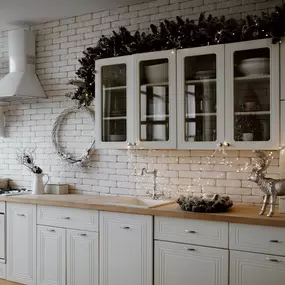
{"points": [[220, 75], [273, 143], [129, 99], [171, 56]]}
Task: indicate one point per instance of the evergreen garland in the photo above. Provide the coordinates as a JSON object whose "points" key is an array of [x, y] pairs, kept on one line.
{"points": [[177, 34]]}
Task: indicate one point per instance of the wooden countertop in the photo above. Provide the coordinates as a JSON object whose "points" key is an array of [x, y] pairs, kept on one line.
{"points": [[239, 213]]}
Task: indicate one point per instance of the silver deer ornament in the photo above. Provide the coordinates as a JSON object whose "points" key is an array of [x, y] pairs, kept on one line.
{"points": [[270, 186]]}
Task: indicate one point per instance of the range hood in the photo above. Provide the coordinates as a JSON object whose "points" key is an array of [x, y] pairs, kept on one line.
{"points": [[21, 82]]}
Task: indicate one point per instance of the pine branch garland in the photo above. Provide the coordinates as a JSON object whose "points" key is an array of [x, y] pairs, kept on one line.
{"points": [[174, 35]]}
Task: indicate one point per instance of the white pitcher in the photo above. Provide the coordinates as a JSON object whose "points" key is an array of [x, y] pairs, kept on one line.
{"points": [[37, 184]]}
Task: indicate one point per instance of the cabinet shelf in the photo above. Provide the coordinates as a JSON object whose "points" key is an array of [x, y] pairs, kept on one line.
{"points": [[252, 113], [257, 78], [114, 118], [154, 117], [200, 115], [200, 81], [114, 88], [158, 84]]}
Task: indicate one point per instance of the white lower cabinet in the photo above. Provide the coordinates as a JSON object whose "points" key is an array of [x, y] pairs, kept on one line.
{"points": [[126, 249], [51, 252], [21, 243], [256, 269], [82, 257], [177, 263]]}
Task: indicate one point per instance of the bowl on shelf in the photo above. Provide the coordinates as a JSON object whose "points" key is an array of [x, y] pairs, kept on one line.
{"points": [[117, 138], [205, 74], [157, 73], [254, 66]]}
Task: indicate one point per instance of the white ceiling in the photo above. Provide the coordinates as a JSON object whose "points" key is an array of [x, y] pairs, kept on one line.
{"points": [[16, 13]]}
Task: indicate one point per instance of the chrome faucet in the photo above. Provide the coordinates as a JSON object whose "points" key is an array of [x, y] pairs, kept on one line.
{"points": [[154, 195]]}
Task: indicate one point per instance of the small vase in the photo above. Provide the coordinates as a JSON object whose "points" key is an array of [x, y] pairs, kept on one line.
{"points": [[37, 184]]}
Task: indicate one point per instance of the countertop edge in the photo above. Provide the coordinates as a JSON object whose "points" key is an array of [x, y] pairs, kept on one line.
{"points": [[240, 214]]}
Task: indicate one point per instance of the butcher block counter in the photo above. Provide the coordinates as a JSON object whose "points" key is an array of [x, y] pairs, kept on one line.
{"points": [[239, 213]]}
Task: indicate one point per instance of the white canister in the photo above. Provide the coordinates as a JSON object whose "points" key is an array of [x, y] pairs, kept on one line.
{"points": [[57, 189], [282, 205]]}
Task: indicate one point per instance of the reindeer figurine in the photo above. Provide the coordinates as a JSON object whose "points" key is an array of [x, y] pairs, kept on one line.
{"points": [[271, 187]]}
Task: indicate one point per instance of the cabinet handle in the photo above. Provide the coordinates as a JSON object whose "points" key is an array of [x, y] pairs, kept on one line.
{"points": [[125, 227], [273, 260], [190, 249], [190, 232], [82, 235], [21, 215], [51, 230], [66, 218], [275, 241]]}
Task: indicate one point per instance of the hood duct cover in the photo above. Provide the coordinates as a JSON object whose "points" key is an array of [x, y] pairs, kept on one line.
{"points": [[22, 82]]}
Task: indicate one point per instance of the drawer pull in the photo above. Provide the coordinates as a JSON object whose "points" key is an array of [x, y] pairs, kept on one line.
{"points": [[125, 227], [190, 249], [190, 232], [275, 241], [273, 259], [82, 235], [21, 215], [51, 230], [66, 218]]}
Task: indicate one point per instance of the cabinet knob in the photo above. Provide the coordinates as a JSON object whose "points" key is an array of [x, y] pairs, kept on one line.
{"points": [[65, 218], [226, 144], [275, 241], [219, 145], [190, 232], [125, 227], [51, 230], [273, 260], [190, 249], [82, 235], [21, 215]]}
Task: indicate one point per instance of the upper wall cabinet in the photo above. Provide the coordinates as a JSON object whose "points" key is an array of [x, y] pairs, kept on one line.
{"points": [[136, 101], [196, 98], [252, 95], [200, 97]]}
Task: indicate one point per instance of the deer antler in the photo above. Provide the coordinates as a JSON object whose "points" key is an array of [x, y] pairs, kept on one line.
{"points": [[262, 163]]}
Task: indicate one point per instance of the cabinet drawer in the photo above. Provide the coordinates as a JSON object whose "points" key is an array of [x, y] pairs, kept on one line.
{"points": [[207, 233], [248, 268], [270, 240], [2, 207], [68, 218], [176, 263], [2, 271]]}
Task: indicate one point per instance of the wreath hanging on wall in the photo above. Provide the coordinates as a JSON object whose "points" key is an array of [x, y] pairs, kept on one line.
{"points": [[174, 35], [66, 157]]}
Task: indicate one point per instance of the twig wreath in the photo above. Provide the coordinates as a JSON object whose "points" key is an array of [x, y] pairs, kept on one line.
{"points": [[68, 158]]}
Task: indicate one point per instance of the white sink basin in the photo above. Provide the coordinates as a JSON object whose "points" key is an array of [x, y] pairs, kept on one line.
{"points": [[139, 202]]}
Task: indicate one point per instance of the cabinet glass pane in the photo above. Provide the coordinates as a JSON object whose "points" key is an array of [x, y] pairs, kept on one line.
{"points": [[252, 95], [200, 99], [114, 103], [154, 100]]}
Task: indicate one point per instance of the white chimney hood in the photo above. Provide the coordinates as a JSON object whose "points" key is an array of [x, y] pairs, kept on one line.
{"points": [[22, 82]]}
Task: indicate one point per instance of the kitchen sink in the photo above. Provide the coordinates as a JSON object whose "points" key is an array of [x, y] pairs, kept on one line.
{"points": [[139, 202]]}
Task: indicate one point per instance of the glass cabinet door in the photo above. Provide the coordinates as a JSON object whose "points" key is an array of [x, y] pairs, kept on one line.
{"points": [[253, 99], [155, 100], [114, 99], [200, 80]]}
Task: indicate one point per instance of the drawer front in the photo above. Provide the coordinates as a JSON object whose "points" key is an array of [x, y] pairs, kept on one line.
{"points": [[2, 207], [198, 232], [68, 218], [270, 240], [248, 268], [2, 271]]}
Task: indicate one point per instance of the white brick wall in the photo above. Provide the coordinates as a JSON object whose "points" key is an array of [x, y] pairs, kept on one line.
{"points": [[59, 45]]}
